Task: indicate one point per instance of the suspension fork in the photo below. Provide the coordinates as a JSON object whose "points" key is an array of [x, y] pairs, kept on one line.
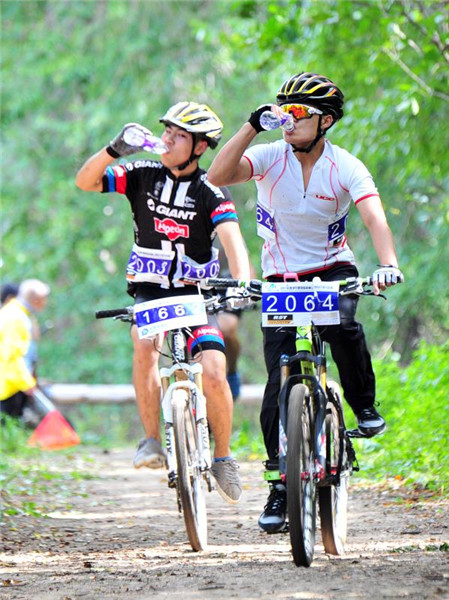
{"points": [[303, 347], [310, 354]]}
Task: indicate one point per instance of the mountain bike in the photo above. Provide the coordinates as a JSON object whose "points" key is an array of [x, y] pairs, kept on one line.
{"points": [[183, 402], [316, 455]]}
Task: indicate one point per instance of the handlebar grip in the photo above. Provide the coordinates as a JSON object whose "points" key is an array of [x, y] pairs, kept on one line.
{"points": [[222, 282], [113, 312]]}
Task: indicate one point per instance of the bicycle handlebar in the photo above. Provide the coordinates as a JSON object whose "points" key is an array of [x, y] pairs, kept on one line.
{"points": [[213, 305], [114, 312], [252, 289], [351, 285]]}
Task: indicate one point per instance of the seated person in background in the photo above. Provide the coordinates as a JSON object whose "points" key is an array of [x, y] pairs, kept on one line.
{"points": [[17, 345], [9, 291]]}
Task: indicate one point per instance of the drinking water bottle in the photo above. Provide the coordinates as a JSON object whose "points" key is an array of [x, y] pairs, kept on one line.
{"points": [[269, 121], [149, 142]]}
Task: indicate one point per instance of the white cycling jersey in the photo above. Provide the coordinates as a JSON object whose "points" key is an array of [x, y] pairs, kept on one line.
{"points": [[304, 230]]}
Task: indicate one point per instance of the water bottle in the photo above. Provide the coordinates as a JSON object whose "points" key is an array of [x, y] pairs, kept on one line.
{"points": [[269, 121], [149, 142]]}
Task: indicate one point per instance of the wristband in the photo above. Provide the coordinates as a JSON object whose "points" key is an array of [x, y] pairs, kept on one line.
{"points": [[112, 152]]}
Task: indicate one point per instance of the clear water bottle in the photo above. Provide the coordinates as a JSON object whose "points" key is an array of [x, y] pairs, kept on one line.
{"points": [[269, 121], [149, 142]]}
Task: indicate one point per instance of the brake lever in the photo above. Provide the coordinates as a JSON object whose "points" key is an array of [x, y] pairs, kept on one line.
{"points": [[255, 289], [357, 288], [354, 288]]}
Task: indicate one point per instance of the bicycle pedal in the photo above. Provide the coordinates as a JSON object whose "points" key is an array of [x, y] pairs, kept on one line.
{"points": [[356, 433], [285, 529]]}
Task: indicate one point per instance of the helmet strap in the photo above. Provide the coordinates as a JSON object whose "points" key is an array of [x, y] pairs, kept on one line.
{"points": [[319, 135], [192, 156]]}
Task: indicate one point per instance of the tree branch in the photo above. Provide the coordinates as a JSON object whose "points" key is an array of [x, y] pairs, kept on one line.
{"points": [[432, 92], [435, 39]]}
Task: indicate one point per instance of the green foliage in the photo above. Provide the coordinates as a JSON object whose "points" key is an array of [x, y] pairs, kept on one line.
{"points": [[247, 440], [85, 68], [13, 437], [106, 426], [27, 475], [391, 60], [415, 405]]}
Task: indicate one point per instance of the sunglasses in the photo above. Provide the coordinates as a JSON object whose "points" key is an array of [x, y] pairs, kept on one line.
{"points": [[301, 111]]}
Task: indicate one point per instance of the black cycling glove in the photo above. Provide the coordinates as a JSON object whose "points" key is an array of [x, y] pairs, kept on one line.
{"points": [[254, 119], [132, 131]]}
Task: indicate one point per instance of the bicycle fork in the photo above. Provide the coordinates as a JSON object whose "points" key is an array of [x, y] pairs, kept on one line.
{"points": [[194, 391], [318, 402]]}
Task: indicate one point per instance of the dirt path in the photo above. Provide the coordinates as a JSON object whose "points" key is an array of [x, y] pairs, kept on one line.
{"points": [[124, 539]]}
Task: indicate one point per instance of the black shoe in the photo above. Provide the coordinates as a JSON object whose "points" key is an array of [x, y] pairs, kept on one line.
{"points": [[272, 520], [370, 422]]}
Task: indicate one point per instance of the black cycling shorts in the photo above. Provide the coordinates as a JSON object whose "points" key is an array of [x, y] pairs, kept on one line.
{"points": [[202, 337]]}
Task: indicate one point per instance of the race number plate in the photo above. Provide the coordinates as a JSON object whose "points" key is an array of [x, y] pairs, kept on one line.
{"points": [[266, 227], [150, 265], [158, 316], [298, 303]]}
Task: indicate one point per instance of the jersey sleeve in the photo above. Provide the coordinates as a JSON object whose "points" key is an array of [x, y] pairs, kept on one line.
{"points": [[220, 206], [115, 179], [258, 157], [126, 178], [360, 182]]}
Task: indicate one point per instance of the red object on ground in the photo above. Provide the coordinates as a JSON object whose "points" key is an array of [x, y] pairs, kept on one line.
{"points": [[54, 433]]}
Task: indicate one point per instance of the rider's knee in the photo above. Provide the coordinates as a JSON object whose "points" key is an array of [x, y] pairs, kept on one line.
{"points": [[214, 368]]}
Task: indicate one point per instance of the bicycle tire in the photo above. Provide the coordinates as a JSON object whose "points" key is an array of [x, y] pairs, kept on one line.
{"points": [[190, 479], [300, 472], [333, 499]]}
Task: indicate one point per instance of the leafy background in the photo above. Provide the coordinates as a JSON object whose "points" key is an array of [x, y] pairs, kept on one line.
{"points": [[75, 71]]}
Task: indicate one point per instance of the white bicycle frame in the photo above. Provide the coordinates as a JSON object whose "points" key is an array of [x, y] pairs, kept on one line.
{"points": [[192, 374]]}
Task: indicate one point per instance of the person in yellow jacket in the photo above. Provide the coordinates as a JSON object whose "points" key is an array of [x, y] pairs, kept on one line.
{"points": [[17, 345]]}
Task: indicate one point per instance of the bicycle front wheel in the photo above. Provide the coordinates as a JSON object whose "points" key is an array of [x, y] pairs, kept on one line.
{"points": [[333, 499], [190, 479], [301, 485]]}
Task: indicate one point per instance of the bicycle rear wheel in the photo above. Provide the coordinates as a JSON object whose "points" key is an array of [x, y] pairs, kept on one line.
{"points": [[333, 499], [301, 486], [190, 479]]}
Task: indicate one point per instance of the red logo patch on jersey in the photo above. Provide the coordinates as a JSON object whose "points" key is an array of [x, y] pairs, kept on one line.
{"points": [[324, 198], [171, 229], [225, 207], [207, 331]]}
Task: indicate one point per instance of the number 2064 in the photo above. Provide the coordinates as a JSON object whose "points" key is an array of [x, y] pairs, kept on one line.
{"points": [[274, 303]]}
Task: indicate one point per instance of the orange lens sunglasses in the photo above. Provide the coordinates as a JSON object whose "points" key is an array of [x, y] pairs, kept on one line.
{"points": [[301, 111]]}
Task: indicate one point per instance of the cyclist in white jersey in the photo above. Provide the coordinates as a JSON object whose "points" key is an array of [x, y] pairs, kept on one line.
{"points": [[306, 186]]}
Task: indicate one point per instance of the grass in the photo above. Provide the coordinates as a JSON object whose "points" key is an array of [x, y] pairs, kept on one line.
{"points": [[414, 403], [32, 484]]}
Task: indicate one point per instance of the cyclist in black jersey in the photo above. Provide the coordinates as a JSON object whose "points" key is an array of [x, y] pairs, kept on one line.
{"points": [[176, 215]]}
